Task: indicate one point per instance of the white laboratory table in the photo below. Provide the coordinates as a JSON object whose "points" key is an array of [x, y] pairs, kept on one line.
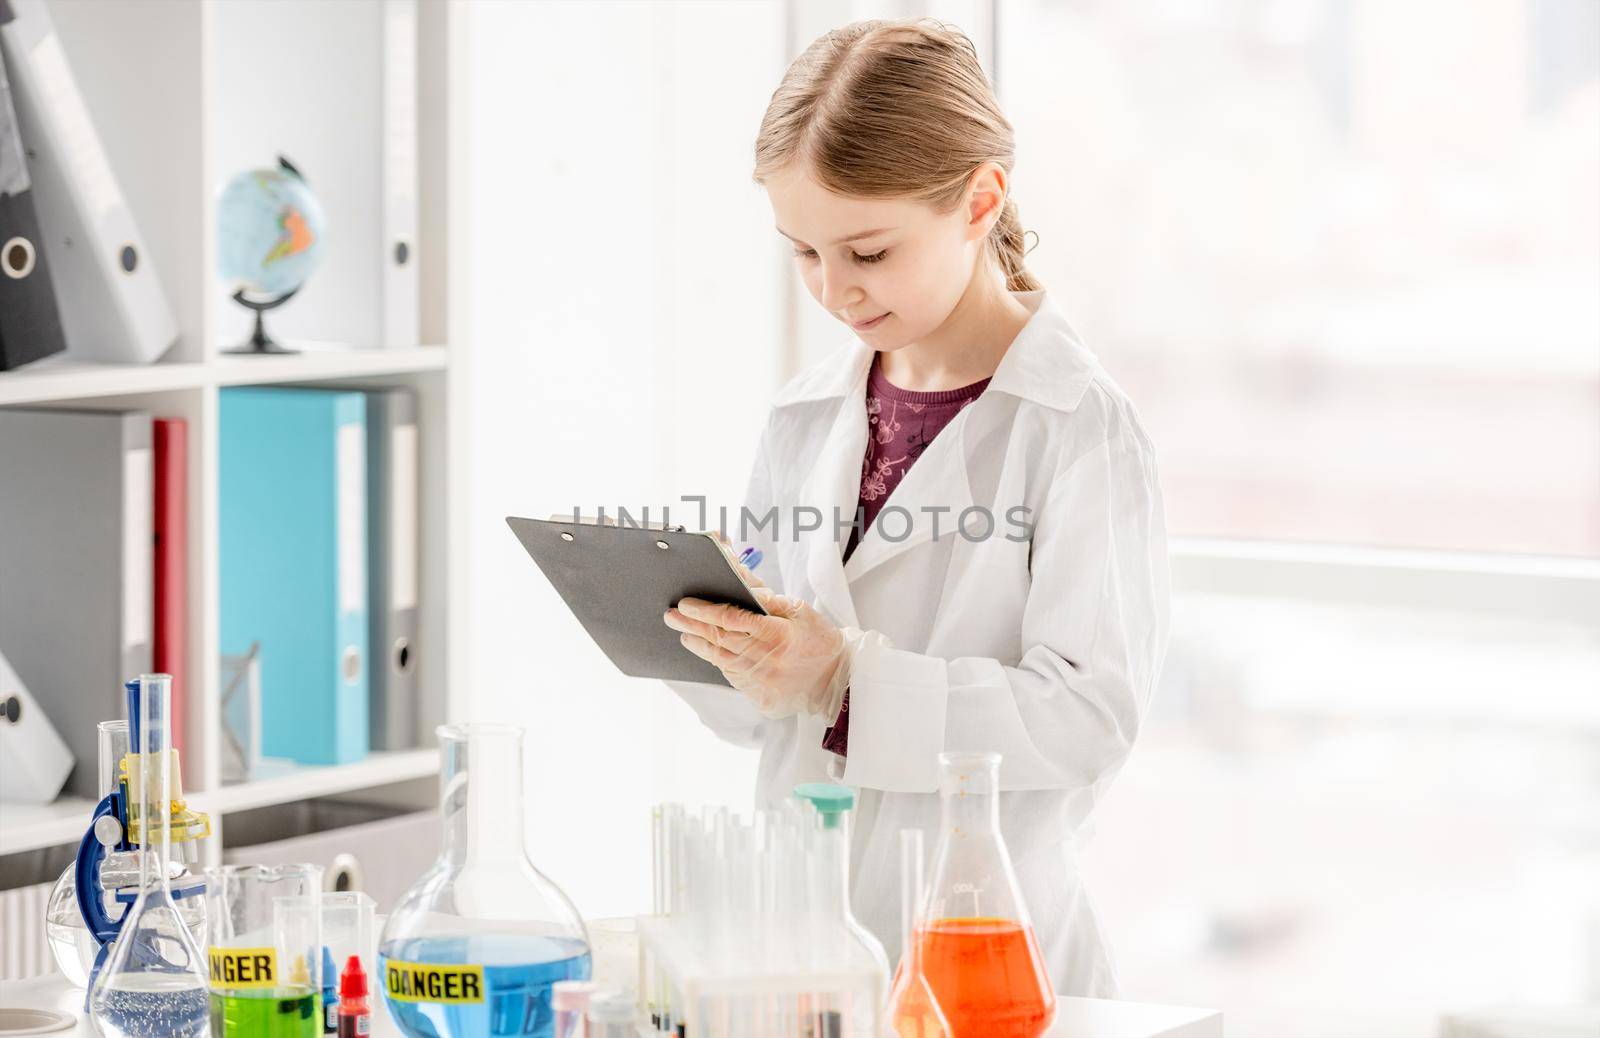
{"points": [[1075, 1017]]}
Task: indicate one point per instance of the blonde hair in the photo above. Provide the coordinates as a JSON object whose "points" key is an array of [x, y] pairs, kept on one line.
{"points": [[895, 109]]}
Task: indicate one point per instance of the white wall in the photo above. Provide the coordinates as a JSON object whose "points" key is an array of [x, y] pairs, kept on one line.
{"points": [[267, 72], [626, 303], [629, 304]]}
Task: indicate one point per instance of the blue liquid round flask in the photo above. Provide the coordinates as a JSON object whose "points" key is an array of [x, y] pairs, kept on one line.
{"points": [[476, 944]]}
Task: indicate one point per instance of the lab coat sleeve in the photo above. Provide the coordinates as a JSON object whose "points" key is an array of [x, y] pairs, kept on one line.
{"points": [[1094, 631], [728, 714]]}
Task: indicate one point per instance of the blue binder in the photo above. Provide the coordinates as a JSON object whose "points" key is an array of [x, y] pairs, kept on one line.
{"points": [[293, 490]]}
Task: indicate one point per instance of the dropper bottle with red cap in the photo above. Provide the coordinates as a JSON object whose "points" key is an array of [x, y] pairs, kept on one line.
{"points": [[355, 1010]]}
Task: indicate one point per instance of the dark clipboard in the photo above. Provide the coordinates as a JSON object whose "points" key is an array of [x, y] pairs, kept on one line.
{"points": [[618, 581]]}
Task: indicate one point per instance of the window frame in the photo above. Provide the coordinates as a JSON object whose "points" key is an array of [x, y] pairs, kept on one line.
{"points": [[1538, 587]]}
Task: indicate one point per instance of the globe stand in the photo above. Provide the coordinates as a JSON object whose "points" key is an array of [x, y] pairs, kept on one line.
{"points": [[260, 342]]}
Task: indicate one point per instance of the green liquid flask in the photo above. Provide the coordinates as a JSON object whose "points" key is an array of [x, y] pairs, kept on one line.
{"points": [[265, 958], [280, 1014]]}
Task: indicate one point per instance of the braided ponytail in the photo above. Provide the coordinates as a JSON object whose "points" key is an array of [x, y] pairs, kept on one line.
{"points": [[1007, 239]]}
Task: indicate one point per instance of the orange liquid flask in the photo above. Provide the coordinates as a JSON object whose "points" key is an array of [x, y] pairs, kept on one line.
{"points": [[913, 1012], [976, 945], [990, 975]]}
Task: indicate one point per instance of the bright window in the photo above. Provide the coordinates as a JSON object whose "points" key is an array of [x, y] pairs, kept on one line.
{"points": [[1345, 257]]}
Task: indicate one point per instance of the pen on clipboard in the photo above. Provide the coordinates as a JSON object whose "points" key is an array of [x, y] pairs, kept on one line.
{"points": [[750, 558]]}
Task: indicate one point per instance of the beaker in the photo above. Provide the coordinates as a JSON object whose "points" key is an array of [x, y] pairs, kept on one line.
{"points": [[978, 950], [474, 947], [153, 978], [265, 954], [913, 1011], [347, 920]]}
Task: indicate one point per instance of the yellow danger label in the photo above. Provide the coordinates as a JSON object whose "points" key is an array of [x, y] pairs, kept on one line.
{"points": [[243, 967], [428, 982]]}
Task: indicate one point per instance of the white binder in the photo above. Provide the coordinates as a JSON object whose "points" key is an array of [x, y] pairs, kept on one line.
{"points": [[33, 760], [400, 716], [113, 307], [77, 593], [400, 260]]}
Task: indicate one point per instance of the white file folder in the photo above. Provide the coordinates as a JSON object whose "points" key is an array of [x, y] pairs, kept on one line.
{"points": [[400, 260], [397, 713], [113, 307], [77, 517], [33, 760]]}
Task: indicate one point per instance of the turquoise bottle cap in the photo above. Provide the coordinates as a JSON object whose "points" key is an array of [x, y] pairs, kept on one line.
{"points": [[830, 800]]}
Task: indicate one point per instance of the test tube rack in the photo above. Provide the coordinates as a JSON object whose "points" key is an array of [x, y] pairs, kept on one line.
{"points": [[665, 952]]}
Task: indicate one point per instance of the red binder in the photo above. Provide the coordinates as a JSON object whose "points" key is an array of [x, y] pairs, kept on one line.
{"points": [[170, 438]]}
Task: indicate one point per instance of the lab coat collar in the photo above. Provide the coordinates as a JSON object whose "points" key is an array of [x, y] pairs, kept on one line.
{"points": [[936, 485], [1047, 364]]}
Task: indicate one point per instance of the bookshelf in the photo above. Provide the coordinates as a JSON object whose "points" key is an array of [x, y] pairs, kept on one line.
{"points": [[30, 826], [175, 93], [54, 380]]}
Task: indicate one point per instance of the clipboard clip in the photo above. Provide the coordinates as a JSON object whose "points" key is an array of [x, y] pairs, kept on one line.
{"points": [[607, 520]]}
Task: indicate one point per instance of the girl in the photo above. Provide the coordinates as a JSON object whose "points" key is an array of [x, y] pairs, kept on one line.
{"points": [[1005, 587]]}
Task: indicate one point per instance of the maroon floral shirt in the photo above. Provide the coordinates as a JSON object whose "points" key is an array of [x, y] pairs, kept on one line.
{"points": [[900, 425]]}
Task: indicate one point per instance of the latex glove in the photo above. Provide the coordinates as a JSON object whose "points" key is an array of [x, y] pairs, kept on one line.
{"points": [[748, 573], [792, 661]]}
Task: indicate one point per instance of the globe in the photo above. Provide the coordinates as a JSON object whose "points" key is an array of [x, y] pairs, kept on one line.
{"points": [[269, 231]]}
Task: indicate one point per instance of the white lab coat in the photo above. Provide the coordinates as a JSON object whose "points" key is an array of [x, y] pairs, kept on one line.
{"points": [[1044, 651]]}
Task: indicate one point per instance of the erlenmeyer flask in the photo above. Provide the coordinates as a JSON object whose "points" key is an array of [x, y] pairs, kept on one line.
{"points": [[913, 1011], [153, 979], [978, 949], [474, 947]]}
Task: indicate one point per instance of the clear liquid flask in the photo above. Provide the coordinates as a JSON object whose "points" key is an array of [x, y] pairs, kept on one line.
{"points": [[913, 1011], [265, 956], [976, 944], [153, 979], [475, 946], [836, 939]]}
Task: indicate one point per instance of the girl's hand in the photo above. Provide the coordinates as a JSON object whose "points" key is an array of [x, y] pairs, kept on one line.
{"points": [[790, 661]]}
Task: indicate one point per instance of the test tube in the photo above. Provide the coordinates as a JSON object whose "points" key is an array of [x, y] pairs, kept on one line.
{"points": [[676, 900], [658, 908], [114, 746], [610, 1015], [570, 1000]]}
